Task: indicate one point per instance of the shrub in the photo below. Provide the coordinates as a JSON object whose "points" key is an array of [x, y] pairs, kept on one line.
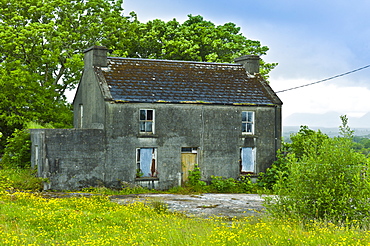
{"points": [[194, 181], [221, 184], [301, 141], [17, 153], [329, 182], [279, 168]]}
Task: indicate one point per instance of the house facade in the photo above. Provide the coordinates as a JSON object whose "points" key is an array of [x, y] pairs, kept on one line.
{"points": [[148, 122]]}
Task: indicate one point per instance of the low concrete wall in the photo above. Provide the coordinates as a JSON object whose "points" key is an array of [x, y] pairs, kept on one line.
{"points": [[70, 159]]}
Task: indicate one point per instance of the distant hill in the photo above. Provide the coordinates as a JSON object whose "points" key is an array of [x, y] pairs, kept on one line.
{"points": [[327, 123], [327, 120], [330, 131]]}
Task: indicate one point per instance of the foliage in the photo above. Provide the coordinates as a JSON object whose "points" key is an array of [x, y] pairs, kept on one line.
{"points": [[5, 183], [124, 191], [18, 148], [194, 40], [328, 182], [362, 144], [278, 170], [305, 140], [17, 152], [302, 141], [29, 219], [41, 55], [20, 179], [194, 181], [218, 184], [230, 185]]}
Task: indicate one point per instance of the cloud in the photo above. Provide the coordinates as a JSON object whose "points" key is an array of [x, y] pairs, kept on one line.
{"points": [[322, 98]]}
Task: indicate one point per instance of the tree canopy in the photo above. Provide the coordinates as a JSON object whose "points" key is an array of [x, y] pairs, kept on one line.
{"points": [[194, 40], [42, 43], [41, 48]]}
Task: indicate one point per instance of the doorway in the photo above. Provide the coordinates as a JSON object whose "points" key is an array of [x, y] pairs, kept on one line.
{"points": [[189, 157]]}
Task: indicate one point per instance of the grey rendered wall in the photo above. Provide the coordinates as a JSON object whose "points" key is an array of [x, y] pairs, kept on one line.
{"points": [[90, 96], [70, 158], [215, 130]]}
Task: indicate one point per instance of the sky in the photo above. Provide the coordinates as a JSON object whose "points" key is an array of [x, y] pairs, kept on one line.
{"points": [[310, 40]]}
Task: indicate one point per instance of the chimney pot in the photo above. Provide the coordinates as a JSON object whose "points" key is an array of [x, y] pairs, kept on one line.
{"points": [[251, 63]]}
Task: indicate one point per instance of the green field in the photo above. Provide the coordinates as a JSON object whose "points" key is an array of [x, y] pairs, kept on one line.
{"points": [[28, 219]]}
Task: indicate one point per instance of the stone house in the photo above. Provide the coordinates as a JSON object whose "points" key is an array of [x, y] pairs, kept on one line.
{"points": [[148, 122]]}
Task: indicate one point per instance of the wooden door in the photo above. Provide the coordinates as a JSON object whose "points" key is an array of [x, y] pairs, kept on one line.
{"points": [[188, 161]]}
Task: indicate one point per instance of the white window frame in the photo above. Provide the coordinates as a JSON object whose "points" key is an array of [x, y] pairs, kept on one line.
{"points": [[145, 121], [139, 168], [248, 122], [248, 167]]}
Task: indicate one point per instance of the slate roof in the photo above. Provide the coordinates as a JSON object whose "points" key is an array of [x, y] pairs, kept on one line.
{"points": [[146, 80]]}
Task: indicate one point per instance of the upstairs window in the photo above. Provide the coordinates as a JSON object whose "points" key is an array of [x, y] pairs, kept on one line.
{"points": [[248, 122], [146, 120]]}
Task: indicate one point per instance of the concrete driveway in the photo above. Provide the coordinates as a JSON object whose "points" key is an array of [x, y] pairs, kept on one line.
{"points": [[202, 205]]}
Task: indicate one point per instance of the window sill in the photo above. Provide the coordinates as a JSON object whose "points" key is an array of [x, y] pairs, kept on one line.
{"points": [[248, 136], [147, 179], [146, 135]]}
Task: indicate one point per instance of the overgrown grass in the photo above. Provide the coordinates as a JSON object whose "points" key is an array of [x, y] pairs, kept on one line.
{"points": [[20, 179], [28, 219], [124, 191]]}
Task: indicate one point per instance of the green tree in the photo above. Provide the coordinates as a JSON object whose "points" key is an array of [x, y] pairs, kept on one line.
{"points": [[328, 182], [194, 40], [41, 48], [304, 141]]}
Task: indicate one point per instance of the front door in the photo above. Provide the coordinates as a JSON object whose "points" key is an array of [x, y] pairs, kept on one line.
{"points": [[189, 157]]}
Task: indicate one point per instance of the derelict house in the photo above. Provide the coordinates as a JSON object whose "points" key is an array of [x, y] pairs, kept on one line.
{"points": [[148, 122]]}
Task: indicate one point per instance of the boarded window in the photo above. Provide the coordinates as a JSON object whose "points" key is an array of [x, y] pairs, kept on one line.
{"points": [[248, 160], [248, 122], [146, 162], [146, 120]]}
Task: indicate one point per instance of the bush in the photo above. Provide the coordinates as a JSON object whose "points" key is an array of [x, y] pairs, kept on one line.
{"points": [[279, 168], [303, 139], [230, 185], [17, 153], [329, 182], [194, 181], [218, 184]]}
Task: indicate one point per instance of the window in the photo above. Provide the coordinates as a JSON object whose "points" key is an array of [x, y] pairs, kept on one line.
{"points": [[81, 115], [189, 150], [146, 160], [247, 122], [248, 160], [146, 120]]}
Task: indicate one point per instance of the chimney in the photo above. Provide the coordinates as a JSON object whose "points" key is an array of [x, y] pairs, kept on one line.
{"points": [[251, 63], [95, 56]]}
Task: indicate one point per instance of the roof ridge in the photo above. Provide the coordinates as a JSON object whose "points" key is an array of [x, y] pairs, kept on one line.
{"points": [[175, 61]]}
